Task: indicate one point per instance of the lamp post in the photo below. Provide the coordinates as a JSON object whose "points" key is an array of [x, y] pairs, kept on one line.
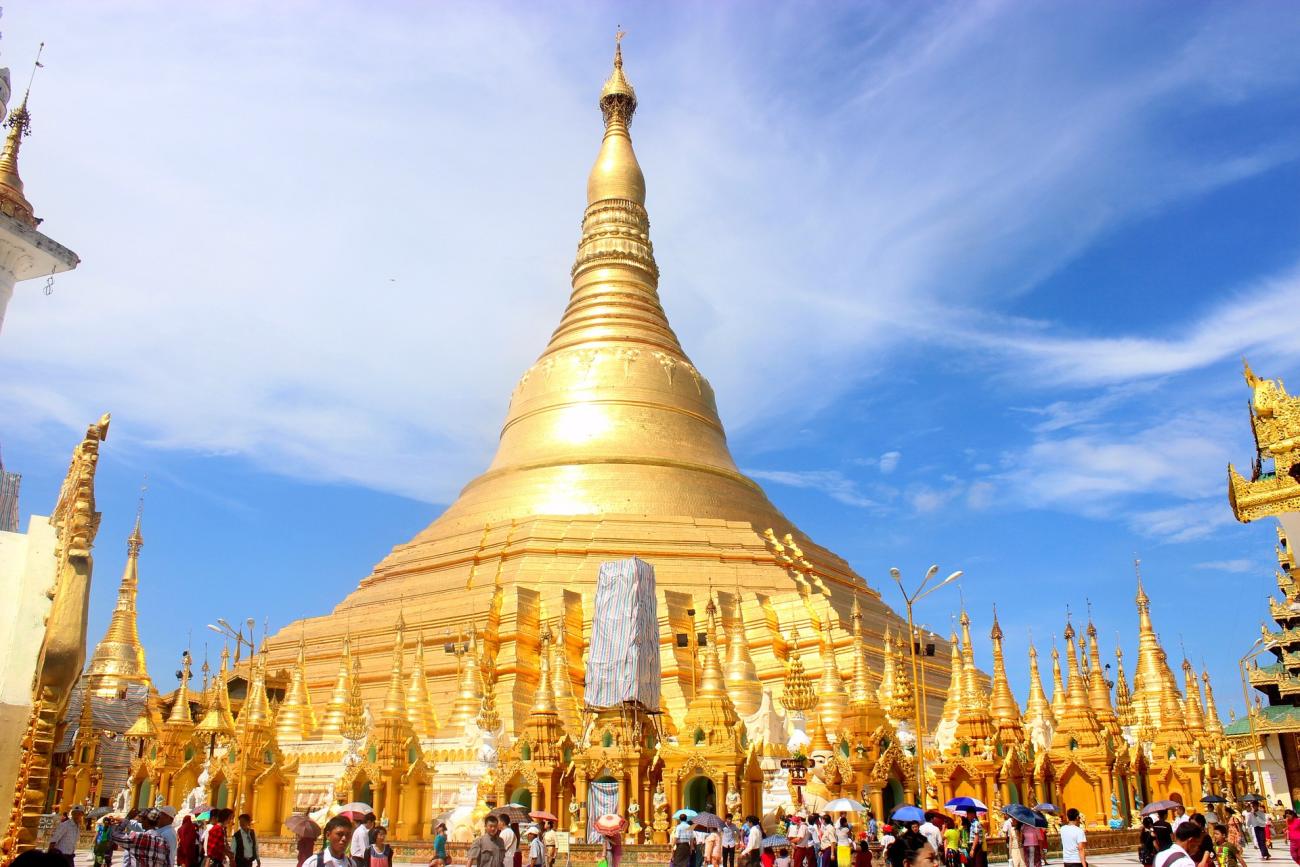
{"points": [[221, 627], [909, 600], [1255, 650]]}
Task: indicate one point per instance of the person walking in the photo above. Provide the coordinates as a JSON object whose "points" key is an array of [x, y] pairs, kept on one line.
{"points": [[1228, 854], [1073, 841], [799, 836], [712, 848], [361, 837], [932, 834], [146, 850], [537, 849], [1147, 843], [683, 842], [1015, 845], [440, 846], [63, 842], [1257, 821], [187, 843], [245, 843], [509, 839], [752, 854], [488, 850], [843, 843], [1182, 852], [103, 846], [335, 853], [975, 830], [216, 849], [728, 837]]}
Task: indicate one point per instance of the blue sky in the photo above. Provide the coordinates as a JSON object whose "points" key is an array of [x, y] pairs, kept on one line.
{"points": [[972, 282]]}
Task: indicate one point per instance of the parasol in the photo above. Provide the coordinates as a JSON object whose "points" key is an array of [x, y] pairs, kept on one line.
{"points": [[543, 816], [355, 811], [610, 825], [843, 805], [707, 820], [963, 803], [687, 812], [1045, 807], [776, 840], [301, 826], [512, 813], [908, 813], [1021, 813], [1214, 799], [1159, 807]]}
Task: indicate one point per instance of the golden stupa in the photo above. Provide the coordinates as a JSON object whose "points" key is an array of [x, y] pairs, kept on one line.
{"points": [[612, 446]]}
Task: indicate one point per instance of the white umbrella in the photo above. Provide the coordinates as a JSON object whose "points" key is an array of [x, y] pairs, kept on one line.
{"points": [[843, 805]]}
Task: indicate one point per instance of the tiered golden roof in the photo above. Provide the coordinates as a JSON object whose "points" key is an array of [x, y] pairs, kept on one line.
{"points": [[217, 721], [864, 710], [974, 722], [1213, 722], [394, 708], [1037, 707], [1123, 698], [1076, 725], [1195, 716], [885, 689], [469, 698], [337, 707], [562, 682], [902, 697], [1098, 689], [797, 694], [711, 712], [255, 715], [179, 717], [832, 700], [952, 702], [743, 685]]}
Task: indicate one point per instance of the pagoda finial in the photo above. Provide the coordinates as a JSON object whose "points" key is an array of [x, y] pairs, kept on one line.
{"points": [[337, 708], [469, 693], [1123, 698], [1037, 708], [561, 682], [743, 685], [12, 200], [180, 712], [119, 656], [419, 707], [255, 714], [1006, 711], [831, 697], [885, 690], [395, 700], [862, 700], [354, 717], [710, 709], [796, 694], [544, 700], [218, 722], [296, 721], [1213, 724], [617, 174], [1195, 716], [1059, 698], [1098, 689]]}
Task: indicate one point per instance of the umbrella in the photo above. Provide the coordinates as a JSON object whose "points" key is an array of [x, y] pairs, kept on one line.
{"points": [[301, 826], [610, 825], [512, 813], [1045, 807], [355, 810], [1021, 813], [1214, 799], [204, 816], [687, 812], [776, 840], [543, 816], [963, 803], [1159, 806], [707, 820], [1040, 820], [201, 808], [843, 805], [1251, 797], [909, 813]]}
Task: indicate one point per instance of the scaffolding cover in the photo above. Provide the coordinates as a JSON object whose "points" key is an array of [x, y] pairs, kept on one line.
{"points": [[623, 659]]}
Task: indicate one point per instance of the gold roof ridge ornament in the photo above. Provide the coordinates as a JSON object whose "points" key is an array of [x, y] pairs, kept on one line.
{"points": [[796, 693], [1275, 422]]}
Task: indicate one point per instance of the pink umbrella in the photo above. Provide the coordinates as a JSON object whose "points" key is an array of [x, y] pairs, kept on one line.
{"points": [[610, 825]]}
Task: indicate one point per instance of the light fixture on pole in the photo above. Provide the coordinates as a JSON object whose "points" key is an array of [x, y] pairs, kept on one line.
{"points": [[911, 599], [1255, 650]]}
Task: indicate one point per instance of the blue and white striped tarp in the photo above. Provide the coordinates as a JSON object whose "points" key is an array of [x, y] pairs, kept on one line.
{"points": [[602, 799], [623, 658]]}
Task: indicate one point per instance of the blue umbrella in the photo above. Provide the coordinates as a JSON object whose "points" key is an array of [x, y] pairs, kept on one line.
{"points": [[1021, 813], [775, 840], [964, 803], [687, 812], [909, 813]]}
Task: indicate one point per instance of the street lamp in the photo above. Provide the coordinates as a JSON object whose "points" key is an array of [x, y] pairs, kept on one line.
{"points": [[916, 596], [228, 631], [1255, 650]]}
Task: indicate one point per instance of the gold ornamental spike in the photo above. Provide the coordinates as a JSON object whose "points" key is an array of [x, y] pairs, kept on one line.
{"points": [[1213, 724], [118, 659], [832, 700], [743, 685], [394, 709], [1038, 707], [1192, 688], [419, 707], [1098, 689], [1123, 698], [295, 720], [337, 708], [1006, 711], [1059, 697], [13, 201]]}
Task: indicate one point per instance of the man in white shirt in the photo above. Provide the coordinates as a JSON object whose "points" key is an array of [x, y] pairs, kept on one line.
{"points": [[361, 836], [799, 842], [64, 839], [729, 843], [509, 839], [162, 827], [934, 836], [1187, 842], [1073, 840], [1180, 816]]}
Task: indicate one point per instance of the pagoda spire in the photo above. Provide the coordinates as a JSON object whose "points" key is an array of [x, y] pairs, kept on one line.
{"points": [[394, 709], [1173, 731], [743, 685], [1059, 698], [1098, 689], [797, 694], [562, 682], [218, 723], [469, 696], [354, 716], [180, 717], [946, 730], [903, 707], [1040, 722], [1006, 711], [119, 656], [831, 697], [337, 708], [1077, 726], [711, 711], [544, 698], [1213, 723], [974, 723], [295, 720], [1195, 716], [885, 690], [1123, 698], [13, 201], [419, 707], [544, 726], [1151, 675], [862, 699], [255, 714]]}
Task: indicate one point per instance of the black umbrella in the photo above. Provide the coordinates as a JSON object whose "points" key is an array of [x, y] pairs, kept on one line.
{"points": [[1214, 799], [1251, 797], [1021, 813]]}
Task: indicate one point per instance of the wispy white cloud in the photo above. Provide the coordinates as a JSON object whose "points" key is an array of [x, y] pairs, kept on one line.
{"points": [[333, 249], [1239, 566], [1186, 522], [832, 483], [889, 462]]}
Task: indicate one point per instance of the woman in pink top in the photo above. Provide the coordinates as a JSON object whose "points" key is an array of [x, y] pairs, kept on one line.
{"points": [[1031, 838], [1293, 833]]}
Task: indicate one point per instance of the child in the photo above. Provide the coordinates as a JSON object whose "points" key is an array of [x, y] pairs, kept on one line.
{"points": [[1229, 853], [952, 846], [782, 858]]}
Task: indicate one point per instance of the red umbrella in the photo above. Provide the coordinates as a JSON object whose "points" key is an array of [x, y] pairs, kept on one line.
{"points": [[543, 816], [610, 825], [301, 826], [355, 811]]}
